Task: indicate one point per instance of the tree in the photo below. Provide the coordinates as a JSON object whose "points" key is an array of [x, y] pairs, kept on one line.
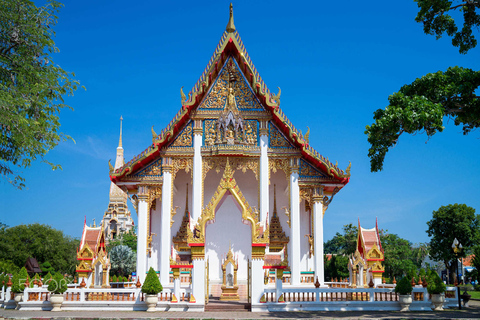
{"points": [[434, 14], [398, 256], [343, 243], [41, 242], [122, 260], [422, 105], [336, 267], [128, 239], [32, 87], [449, 222]]}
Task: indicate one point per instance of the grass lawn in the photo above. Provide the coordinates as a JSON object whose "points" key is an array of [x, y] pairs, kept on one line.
{"points": [[475, 294]]}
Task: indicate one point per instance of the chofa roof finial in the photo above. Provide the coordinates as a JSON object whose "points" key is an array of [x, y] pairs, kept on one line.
{"points": [[230, 25]]}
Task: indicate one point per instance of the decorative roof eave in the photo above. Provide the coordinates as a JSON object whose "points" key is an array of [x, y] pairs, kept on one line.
{"points": [[230, 43]]}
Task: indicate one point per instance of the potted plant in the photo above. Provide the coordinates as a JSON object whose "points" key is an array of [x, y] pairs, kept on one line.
{"points": [[151, 287], [57, 286], [18, 285], [436, 288], [404, 289]]}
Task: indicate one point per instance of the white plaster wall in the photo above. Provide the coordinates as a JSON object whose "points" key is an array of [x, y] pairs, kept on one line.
{"points": [[248, 184], [179, 188], [155, 224], [228, 227]]}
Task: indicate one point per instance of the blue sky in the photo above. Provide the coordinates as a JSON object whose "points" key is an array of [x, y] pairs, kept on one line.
{"points": [[336, 63]]}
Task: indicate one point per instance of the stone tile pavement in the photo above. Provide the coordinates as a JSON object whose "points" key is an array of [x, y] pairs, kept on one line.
{"points": [[472, 312]]}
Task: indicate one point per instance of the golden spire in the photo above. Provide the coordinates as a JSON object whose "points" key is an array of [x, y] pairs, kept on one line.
{"points": [[186, 202], [120, 140], [275, 200], [230, 25]]}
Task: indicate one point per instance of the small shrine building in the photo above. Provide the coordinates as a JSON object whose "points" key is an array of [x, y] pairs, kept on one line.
{"points": [[230, 180], [366, 264]]}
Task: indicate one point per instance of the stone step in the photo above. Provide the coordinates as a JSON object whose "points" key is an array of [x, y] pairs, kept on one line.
{"points": [[215, 305]]}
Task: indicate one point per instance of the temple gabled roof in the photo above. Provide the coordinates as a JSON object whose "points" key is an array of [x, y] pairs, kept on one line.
{"points": [[93, 237], [231, 45], [367, 239]]}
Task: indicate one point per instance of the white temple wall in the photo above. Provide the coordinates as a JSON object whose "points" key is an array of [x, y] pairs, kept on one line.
{"points": [[248, 185], [210, 185], [155, 224], [279, 179], [228, 228], [305, 264]]}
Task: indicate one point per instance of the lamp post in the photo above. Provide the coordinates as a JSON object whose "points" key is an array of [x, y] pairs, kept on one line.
{"points": [[457, 249]]}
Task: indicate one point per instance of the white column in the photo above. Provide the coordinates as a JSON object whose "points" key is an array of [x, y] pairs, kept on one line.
{"points": [[197, 174], [198, 281], [142, 235], [318, 237], [176, 287], [257, 280], [278, 283], [165, 237], [294, 252], [264, 193]]}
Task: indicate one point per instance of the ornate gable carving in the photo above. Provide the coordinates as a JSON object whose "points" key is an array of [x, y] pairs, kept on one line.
{"points": [[185, 138], [85, 253], [374, 253], [307, 171], [84, 265], [276, 139]]}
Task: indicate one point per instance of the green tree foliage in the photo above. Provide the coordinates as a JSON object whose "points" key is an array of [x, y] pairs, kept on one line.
{"points": [[46, 267], [128, 239], [58, 284], [435, 284], [122, 260], [19, 279], [422, 106], [32, 86], [7, 266], [398, 255], [403, 286], [437, 20], [40, 241], [343, 243], [152, 284], [450, 222], [336, 267]]}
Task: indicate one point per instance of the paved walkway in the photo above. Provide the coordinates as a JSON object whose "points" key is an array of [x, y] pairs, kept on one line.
{"points": [[473, 312]]}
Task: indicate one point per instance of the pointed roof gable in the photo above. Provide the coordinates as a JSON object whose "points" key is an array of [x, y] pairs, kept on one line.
{"points": [[368, 239], [230, 46]]}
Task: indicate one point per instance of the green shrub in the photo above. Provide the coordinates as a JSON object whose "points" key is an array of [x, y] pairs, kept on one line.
{"points": [[435, 284], [477, 287], [125, 279], [58, 284], [3, 280], [403, 286], [152, 284], [115, 279], [18, 280]]}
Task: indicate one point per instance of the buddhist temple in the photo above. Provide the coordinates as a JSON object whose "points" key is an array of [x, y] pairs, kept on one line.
{"points": [[366, 264], [94, 264], [230, 182]]}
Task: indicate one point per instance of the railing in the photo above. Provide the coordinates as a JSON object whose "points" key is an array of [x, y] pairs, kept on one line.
{"points": [[343, 294]]}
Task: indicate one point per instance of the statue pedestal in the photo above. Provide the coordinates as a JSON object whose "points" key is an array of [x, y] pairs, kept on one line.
{"points": [[230, 293]]}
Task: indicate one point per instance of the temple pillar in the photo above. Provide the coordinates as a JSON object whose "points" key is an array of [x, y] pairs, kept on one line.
{"points": [[165, 236], [198, 273], [294, 252], [318, 236], [197, 171], [264, 192], [278, 283], [142, 233], [257, 278], [176, 282]]}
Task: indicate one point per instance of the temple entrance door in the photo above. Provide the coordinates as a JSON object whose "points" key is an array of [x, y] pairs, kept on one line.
{"points": [[228, 231]]}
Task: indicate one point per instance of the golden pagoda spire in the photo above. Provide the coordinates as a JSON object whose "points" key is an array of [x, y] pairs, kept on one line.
{"points": [[275, 200], [230, 26], [120, 140], [186, 203]]}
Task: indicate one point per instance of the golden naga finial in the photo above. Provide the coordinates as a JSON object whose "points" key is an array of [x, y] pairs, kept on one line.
{"points": [[230, 25], [307, 134], [184, 98], [276, 97], [154, 135], [110, 165], [348, 168]]}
